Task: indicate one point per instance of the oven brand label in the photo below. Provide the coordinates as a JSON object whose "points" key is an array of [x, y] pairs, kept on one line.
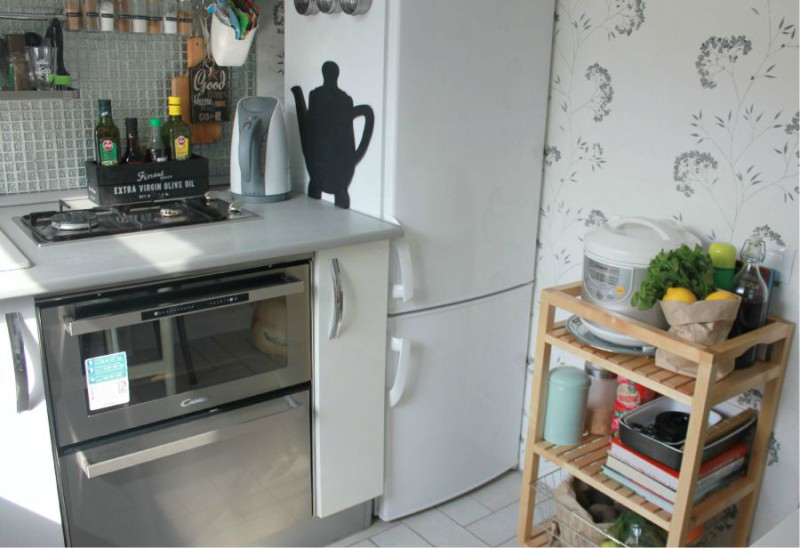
{"points": [[107, 380]]}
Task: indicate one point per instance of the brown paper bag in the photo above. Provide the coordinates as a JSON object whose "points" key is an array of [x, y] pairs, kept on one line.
{"points": [[704, 322]]}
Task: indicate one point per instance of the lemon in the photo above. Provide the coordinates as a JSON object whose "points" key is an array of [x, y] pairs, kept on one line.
{"points": [[720, 295], [680, 294]]}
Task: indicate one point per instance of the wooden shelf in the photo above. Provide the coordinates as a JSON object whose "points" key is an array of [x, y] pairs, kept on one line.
{"points": [[39, 95], [586, 459]]}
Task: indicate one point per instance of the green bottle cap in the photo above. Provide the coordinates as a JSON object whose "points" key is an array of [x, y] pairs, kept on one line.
{"points": [[155, 122]]}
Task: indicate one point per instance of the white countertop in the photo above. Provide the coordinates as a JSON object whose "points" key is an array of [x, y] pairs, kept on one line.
{"points": [[294, 227]]}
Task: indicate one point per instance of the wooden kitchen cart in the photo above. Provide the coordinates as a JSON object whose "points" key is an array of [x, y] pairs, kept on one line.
{"points": [[585, 459]]}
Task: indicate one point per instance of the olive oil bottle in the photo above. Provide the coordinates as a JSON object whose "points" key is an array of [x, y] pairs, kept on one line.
{"points": [[106, 136], [176, 134]]}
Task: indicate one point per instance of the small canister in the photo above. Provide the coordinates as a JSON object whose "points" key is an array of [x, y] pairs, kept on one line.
{"points": [[629, 396], [567, 390], [600, 404]]}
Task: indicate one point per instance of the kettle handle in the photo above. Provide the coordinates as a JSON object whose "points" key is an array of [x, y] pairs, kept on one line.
{"points": [[369, 125]]}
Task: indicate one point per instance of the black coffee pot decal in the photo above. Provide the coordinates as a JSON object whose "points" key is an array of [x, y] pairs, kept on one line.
{"points": [[328, 138]]}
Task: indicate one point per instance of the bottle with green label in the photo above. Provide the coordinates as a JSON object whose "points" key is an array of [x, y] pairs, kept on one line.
{"points": [[176, 133], [106, 136]]}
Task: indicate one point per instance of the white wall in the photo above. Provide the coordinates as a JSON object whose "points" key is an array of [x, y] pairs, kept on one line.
{"points": [[646, 119]]}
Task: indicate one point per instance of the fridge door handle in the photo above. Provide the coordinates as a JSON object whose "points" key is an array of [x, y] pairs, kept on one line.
{"points": [[403, 347], [14, 325], [405, 289], [338, 300]]}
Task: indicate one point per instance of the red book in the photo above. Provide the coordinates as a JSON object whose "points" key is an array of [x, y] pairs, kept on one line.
{"points": [[666, 475]]}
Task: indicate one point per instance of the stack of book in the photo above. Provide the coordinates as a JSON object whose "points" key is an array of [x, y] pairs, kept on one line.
{"points": [[658, 483]]}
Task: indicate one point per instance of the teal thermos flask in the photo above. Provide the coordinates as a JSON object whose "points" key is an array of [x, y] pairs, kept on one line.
{"points": [[567, 392]]}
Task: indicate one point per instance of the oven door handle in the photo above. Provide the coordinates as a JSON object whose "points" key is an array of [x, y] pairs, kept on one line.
{"points": [[14, 325], [110, 463], [95, 324]]}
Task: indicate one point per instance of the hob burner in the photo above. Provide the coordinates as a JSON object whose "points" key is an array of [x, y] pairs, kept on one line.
{"points": [[74, 220]]}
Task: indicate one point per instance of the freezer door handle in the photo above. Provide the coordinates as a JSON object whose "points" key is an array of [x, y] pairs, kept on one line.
{"points": [[405, 289], [403, 347], [338, 300], [14, 325], [108, 462]]}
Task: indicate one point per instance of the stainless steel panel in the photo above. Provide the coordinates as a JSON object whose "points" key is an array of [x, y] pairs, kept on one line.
{"points": [[249, 485]]}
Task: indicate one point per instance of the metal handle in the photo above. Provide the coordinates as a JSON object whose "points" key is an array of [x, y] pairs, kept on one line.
{"points": [[338, 300], [405, 289], [403, 347], [101, 323], [116, 463], [14, 325]]}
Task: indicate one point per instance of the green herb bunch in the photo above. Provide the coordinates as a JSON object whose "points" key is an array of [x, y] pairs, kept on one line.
{"points": [[681, 267]]}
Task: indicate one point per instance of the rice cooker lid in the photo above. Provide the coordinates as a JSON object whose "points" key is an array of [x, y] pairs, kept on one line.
{"points": [[634, 241]]}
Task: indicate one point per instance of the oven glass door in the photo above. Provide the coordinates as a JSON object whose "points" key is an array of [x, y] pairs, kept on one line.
{"points": [[124, 359]]}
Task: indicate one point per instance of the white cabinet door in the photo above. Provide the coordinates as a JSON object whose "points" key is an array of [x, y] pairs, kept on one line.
{"points": [[349, 374], [29, 509]]}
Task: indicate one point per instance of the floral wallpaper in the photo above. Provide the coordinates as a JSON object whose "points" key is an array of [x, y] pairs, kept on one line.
{"points": [[685, 110]]}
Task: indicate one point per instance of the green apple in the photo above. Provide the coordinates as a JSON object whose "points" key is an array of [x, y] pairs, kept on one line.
{"points": [[723, 255]]}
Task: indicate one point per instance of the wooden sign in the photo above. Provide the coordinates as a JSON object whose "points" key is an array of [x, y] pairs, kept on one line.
{"points": [[209, 89]]}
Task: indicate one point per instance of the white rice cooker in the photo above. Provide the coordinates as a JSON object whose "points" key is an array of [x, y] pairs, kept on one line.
{"points": [[616, 257]]}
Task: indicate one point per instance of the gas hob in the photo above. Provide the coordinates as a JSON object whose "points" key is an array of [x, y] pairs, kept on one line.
{"points": [[67, 225]]}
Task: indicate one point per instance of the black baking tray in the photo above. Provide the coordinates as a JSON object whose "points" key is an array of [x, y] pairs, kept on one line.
{"points": [[670, 454]]}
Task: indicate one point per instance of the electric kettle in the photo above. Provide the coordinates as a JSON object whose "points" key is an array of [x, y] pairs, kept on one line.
{"points": [[259, 153]]}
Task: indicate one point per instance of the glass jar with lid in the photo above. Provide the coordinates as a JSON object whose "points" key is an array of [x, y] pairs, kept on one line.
{"points": [[600, 402]]}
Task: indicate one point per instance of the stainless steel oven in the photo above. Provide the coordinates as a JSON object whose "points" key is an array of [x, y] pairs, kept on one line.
{"points": [[181, 408]]}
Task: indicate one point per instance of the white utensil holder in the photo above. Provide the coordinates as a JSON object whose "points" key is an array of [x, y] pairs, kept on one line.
{"points": [[225, 48]]}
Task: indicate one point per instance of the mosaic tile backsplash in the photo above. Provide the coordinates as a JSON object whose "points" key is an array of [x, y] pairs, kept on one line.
{"points": [[45, 142]]}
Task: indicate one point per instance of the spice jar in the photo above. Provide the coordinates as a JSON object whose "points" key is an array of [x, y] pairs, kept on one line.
{"points": [[600, 403], [72, 14], [567, 389], [17, 62], [629, 396]]}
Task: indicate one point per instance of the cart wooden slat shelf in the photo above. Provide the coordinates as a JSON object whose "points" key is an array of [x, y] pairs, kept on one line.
{"points": [[585, 459]]}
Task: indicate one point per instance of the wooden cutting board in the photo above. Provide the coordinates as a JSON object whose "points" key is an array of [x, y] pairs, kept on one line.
{"points": [[202, 134]]}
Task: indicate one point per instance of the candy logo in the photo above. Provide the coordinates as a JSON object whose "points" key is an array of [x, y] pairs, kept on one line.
{"points": [[108, 145]]}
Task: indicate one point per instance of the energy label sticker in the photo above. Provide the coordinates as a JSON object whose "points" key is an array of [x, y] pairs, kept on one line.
{"points": [[107, 380]]}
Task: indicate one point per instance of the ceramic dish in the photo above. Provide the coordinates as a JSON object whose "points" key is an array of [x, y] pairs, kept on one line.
{"points": [[578, 329]]}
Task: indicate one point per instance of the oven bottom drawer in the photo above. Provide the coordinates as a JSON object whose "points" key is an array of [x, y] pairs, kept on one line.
{"points": [[237, 477]]}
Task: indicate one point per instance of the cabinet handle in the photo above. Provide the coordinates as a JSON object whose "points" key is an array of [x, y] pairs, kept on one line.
{"points": [[18, 358], [405, 289], [338, 300], [403, 347]]}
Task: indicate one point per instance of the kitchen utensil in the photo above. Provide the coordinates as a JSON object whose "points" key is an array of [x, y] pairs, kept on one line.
{"points": [[329, 6], [616, 257], [55, 37], [306, 7], [567, 390], [33, 39], [226, 49], [257, 126], [202, 134], [578, 330]]}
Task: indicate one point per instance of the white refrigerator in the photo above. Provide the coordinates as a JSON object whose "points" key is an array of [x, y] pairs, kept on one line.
{"points": [[459, 89]]}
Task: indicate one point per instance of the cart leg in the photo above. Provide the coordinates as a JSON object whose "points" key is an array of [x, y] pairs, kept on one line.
{"points": [[760, 449], [535, 422]]}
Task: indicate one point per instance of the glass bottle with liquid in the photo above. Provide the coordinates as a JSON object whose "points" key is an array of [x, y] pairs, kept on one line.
{"points": [[106, 136], [133, 152], [176, 133], [751, 287], [156, 151]]}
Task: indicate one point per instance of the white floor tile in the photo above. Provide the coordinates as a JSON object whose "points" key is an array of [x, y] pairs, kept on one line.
{"points": [[399, 535], [439, 530], [501, 492], [498, 527], [465, 510], [377, 526]]}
